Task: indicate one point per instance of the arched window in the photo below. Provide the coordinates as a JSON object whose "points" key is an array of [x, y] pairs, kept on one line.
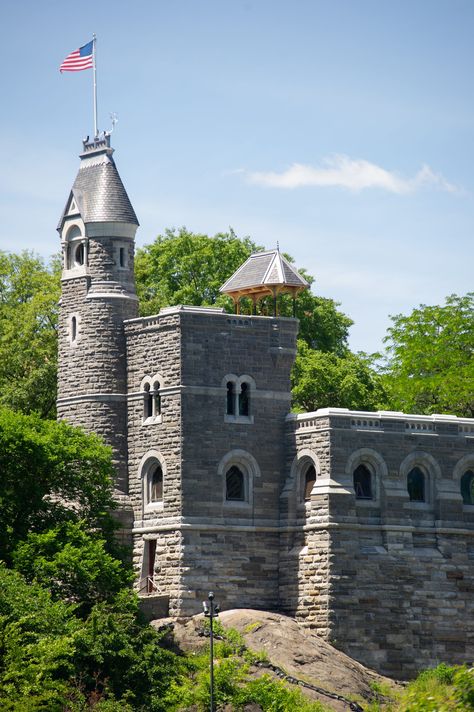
{"points": [[309, 480], [79, 255], [234, 485], [244, 399], [156, 409], [363, 482], [156, 484], [230, 407], [467, 487], [147, 402], [416, 485]]}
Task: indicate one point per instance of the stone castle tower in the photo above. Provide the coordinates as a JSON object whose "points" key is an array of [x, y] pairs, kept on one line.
{"points": [[361, 525], [97, 230]]}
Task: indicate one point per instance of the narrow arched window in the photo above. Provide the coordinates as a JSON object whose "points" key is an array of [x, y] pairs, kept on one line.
{"points": [[416, 485], [309, 481], [147, 401], [156, 409], [79, 255], [73, 328], [363, 482], [230, 406], [156, 484], [244, 399], [467, 487], [234, 485]]}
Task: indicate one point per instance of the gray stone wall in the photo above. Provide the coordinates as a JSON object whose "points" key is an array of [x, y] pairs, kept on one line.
{"points": [[230, 546], [400, 575], [92, 374]]}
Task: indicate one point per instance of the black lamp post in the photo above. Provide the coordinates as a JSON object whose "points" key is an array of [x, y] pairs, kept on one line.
{"points": [[211, 611]]}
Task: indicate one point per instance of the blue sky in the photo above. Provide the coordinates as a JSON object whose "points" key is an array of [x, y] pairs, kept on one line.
{"points": [[342, 129]]}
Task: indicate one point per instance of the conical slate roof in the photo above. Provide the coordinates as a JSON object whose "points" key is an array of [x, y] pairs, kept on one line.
{"points": [[264, 272], [98, 190]]}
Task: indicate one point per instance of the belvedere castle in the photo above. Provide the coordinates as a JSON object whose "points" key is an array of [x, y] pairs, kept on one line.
{"points": [[360, 525]]}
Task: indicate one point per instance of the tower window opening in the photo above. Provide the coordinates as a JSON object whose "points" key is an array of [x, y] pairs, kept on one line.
{"points": [[230, 409], [122, 257], [309, 481], [467, 487], [416, 485], [235, 485], [363, 483], [156, 398], [147, 402], [79, 255], [73, 328], [156, 484], [151, 554], [244, 399]]}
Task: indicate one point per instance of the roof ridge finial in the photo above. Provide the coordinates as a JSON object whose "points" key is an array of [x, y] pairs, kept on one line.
{"points": [[278, 246]]}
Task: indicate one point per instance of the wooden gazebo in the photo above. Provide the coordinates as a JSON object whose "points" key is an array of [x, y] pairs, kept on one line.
{"points": [[264, 274]]}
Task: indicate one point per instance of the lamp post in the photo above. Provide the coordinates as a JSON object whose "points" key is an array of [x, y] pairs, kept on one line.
{"points": [[211, 611]]}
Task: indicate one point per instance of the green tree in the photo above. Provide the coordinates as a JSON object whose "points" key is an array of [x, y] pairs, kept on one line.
{"points": [[29, 295], [430, 359], [51, 472], [73, 563], [181, 267], [321, 379]]}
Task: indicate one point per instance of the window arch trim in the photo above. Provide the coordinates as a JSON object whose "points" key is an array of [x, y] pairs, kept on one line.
{"points": [[250, 469], [373, 461], [151, 388], [146, 469], [242, 390], [431, 471], [464, 465]]}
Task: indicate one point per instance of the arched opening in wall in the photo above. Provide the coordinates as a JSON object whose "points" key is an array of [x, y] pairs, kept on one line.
{"points": [[467, 487], [147, 402], [79, 255], [244, 399], [362, 478], [416, 485], [156, 396], [235, 485], [309, 481], [156, 484], [230, 404], [122, 261]]}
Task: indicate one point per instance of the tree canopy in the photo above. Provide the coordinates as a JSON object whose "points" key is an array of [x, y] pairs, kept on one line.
{"points": [[29, 295], [430, 358]]}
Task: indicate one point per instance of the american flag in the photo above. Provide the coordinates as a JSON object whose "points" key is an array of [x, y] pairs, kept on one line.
{"points": [[78, 60]]}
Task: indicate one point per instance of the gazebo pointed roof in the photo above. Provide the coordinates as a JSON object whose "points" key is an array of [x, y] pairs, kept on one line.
{"points": [[262, 274]]}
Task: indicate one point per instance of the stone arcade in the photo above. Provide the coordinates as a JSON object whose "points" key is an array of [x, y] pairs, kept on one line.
{"points": [[361, 525]]}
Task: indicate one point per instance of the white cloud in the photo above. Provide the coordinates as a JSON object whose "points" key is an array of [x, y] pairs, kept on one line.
{"points": [[354, 174]]}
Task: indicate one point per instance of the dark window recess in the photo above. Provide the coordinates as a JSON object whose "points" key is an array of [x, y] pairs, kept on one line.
{"points": [[147, 402], [79, 255], [416, 485], [151, 545], [156, 399], [235, 490], [244, 399], [363, 482], [122, 256], [156, 484], [230, 408], [309, 480], [467, 487], [73, 328]]}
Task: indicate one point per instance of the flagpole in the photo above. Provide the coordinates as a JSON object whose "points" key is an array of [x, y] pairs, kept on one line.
{"points": [[96, 132]]}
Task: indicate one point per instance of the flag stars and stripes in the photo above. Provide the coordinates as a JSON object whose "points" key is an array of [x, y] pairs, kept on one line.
{"points": [[80, 59]]}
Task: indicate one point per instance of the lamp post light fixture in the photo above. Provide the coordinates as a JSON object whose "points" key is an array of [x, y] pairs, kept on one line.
{"points": [[210, 611]]}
